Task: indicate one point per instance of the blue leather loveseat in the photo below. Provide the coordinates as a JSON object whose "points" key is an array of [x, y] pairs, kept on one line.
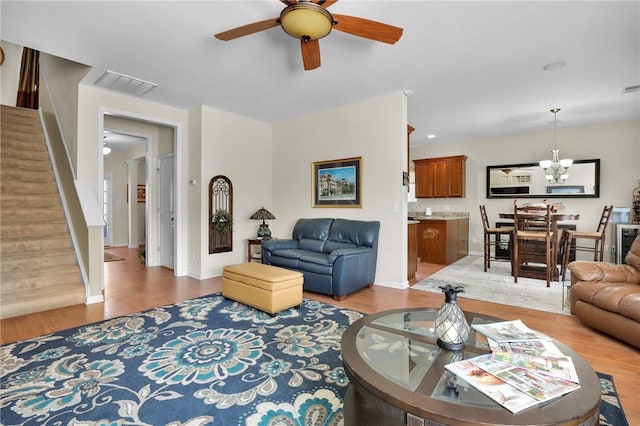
{"points": [[336, 256]]}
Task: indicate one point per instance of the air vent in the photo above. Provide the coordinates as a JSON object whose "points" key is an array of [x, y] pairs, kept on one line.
{"points": [[124, 83], [631, 89]]}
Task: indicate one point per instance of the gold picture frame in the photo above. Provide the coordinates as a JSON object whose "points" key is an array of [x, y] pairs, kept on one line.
{"points": [[337, 183]]}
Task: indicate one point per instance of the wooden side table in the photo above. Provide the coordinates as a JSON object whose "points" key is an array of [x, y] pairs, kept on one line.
{"points": [[251, 256]]}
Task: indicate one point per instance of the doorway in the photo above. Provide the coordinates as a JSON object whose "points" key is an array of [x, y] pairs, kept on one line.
{"points": [[137, 188]]}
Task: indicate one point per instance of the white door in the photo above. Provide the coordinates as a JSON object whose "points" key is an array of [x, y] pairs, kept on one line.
{"points": [[107, 208], [166, 197]]}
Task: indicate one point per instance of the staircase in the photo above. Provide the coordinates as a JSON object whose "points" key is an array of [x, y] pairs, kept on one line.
{"points": [[38, 266]]}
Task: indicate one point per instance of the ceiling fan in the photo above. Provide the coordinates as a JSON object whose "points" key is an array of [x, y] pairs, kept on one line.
{"points": [[309, 21]]}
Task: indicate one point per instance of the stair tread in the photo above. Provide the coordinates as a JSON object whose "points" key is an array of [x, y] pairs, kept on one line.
{"points": [[31, 301], [30, 292], [36, 272]]}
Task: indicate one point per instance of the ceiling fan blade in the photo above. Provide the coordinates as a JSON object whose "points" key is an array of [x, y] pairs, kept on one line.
{"points": [[289, 2], [368, 29], [310, 54], [248, 29], [326, 3]]}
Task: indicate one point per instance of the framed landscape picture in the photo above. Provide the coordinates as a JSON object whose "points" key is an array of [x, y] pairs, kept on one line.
{"points": [[337, 183]]}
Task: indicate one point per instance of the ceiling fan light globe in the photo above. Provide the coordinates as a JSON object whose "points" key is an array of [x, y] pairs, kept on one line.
{"points": [[306, 21], [545, 164]]}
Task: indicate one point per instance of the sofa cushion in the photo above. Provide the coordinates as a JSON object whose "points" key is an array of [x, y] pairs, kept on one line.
{"points": [[311, 245], [629, 306], [314, 229], [318, 258], [288, 253], [609, 296], [347, 233], [314, 267], [336, 245]]}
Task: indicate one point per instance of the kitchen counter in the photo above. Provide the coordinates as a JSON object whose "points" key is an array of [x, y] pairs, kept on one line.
{"points": [[438, 216], [433, 217]]}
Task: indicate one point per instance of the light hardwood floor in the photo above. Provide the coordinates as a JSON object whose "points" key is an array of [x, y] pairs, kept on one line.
{"points": [[130, 287]]}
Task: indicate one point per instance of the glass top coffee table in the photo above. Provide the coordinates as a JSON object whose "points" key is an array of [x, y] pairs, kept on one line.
{"points": [[398, 377]]}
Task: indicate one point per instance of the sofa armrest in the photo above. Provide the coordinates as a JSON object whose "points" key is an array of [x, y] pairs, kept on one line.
{"points": [[348, 252], [603, 271]]}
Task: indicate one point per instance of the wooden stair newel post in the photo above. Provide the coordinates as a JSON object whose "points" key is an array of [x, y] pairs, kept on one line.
{"points": [[220, 214]]}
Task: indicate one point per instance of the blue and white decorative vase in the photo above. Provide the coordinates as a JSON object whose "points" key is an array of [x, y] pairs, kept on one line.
{"points": [[451, 325]]}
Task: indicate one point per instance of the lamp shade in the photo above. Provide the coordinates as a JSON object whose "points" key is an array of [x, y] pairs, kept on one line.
{"points": [[262, 214]]}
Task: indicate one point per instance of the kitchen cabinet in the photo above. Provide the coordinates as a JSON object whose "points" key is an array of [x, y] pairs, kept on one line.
{"points": [[443, 241], [412, 249], [442, 177]]}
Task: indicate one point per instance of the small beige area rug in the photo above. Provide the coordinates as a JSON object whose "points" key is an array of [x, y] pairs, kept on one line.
{"points": [[496, 285], [110, 257]]}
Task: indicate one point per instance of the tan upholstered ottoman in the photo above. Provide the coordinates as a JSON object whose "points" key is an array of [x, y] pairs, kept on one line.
{"points": [[268, 288]]}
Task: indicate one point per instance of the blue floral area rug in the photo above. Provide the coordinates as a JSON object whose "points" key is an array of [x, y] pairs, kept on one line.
{"points": [[205, 361], [202, 361], [611, 413]]}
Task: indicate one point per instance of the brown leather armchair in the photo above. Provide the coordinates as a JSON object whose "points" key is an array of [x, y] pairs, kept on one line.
{"points": [[606, 296]]}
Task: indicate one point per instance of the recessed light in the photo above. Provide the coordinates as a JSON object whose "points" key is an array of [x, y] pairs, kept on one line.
{"points": [[553, 66], [431, 136]]}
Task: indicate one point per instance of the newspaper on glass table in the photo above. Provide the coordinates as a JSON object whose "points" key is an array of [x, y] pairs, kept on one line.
{"points": [[504, 394], [509, 331]]}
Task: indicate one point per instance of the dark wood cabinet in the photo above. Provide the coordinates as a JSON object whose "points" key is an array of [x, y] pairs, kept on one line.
{"points": [[442, 177], [443, 241], [412, 250]]}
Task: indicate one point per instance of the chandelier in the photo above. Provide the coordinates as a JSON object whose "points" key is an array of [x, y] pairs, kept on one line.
{"points": [[556, 169]]}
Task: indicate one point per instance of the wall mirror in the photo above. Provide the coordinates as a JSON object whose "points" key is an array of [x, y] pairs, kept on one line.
{"points": [[528, 181]]}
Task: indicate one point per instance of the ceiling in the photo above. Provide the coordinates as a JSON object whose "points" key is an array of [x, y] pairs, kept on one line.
{"points": [[472, 69], [121, 141]]}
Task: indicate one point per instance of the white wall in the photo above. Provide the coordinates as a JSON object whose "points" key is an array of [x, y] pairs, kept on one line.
{"points": [[375, 130], [62, 78], [617, 145], [240, 149], [93, 103]]}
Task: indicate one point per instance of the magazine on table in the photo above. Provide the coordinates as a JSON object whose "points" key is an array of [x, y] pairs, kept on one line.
{"points": [[503, 393], [532, 347], [538, 386], [560, 367], [509, 331]]}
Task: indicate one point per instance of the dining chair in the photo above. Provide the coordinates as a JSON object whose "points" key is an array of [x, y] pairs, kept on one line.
{"points": [[568, 242], [533, 241], [493, 238]]}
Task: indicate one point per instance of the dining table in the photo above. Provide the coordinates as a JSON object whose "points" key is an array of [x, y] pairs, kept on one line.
{"points": [[556, 217]]}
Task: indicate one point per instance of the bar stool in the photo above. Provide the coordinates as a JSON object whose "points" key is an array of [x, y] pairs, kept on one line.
{"points": [[531, 227], [569, 237], [496, 233]]}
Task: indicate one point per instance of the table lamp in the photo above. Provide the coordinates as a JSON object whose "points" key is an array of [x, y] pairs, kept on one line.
{"points": [[450, 325], [262, 214]]}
